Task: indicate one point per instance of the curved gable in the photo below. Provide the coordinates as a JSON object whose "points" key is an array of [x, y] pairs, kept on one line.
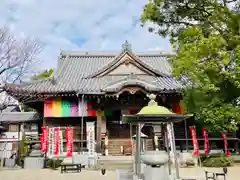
{"points": [[131, 80], [126, 63]]}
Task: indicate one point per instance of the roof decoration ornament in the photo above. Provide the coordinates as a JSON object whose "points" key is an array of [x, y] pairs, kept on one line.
{"points": [[61, 52], [54, 80], [152, 101], [132, 76], [126, 46]]}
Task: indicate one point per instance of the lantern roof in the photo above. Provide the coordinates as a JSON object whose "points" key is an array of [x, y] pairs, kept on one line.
{"points": [[153, 108], [154, 114]]}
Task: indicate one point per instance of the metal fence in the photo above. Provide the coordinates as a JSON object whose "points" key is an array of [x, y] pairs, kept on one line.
{"points": [[5, 153]]}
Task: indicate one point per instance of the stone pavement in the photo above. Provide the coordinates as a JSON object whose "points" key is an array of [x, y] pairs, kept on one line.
{"points": [[43, 174]]}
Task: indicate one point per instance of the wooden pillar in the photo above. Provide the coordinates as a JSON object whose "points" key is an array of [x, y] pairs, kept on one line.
{"points": [[44, 122], [99, 130]]}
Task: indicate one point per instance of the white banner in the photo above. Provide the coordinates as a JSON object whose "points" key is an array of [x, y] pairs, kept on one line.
{"points": [[90, 128], [51, 146], [50, 142]]}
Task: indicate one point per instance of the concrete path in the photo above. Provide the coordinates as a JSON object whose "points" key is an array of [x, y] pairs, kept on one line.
{"points": [[32, 174]]}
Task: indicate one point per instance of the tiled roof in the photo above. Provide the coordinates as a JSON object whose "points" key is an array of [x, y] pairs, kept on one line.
{"points": [[74, 67], [11, 108], [150, 83], [19, 117]]}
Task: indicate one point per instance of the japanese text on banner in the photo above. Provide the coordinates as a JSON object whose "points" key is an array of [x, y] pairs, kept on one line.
{"points": [[44, 139], [224, 137], [206, 143], [55, 141], [69, 141]]}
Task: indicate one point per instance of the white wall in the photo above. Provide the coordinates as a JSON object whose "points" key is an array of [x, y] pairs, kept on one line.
{"points": [[6, 141]]}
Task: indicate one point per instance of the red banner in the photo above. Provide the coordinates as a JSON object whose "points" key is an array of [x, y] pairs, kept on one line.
{"points": [[69, 141], [194, 141], [224, 137], [206, 143], [55, 141], [41, 142], [44, 142]]}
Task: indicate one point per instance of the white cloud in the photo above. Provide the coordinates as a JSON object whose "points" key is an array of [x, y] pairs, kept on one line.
{"points": [[60, 24]]}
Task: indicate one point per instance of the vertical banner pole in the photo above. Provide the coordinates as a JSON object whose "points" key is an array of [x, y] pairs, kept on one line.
{"points": [[174, 151], [131, 138], [167, 144], [138, 150], [186, 134], [82, 124]]}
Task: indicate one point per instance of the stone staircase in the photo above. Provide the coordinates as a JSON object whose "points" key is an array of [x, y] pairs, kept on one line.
{"points": [[149, 145], [115, 162], [34, 141], [34, 158], [114, 146]]}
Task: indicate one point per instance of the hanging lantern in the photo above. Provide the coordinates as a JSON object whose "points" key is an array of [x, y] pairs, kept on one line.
{"points": [[177, 108], [132, 111]]}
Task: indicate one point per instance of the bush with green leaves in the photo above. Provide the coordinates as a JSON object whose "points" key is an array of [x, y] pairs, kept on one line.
{"points": [[203, 157], [54, 163], [222, 161], [23, 149]]}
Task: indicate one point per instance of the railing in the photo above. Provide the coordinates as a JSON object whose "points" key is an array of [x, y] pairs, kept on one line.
{"points": [[5, 153]]}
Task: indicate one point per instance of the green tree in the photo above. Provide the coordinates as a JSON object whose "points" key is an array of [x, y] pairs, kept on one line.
{"points": [[23, 148], [42, 75], [206, 38], [173, 17]]}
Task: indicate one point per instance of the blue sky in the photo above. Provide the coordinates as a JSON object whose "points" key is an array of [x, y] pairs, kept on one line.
{"points": [[85, 25]]}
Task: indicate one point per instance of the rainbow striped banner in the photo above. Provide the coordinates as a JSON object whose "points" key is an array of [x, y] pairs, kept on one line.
{"points": [[86, 110], [58, 107]]}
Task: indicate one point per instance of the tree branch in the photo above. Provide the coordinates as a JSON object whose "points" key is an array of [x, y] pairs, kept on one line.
{"points": [[17, 57]]}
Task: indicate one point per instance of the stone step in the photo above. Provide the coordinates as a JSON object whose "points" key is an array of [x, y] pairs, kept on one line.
{"points": [[114, 146], [115, 162]]}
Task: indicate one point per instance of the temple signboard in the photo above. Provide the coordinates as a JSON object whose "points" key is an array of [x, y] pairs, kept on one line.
{"points": [[90, 139]]}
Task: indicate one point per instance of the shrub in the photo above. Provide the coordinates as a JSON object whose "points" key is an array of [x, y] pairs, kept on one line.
{"points": [[190, 162], [222, 161], [23, 147], [203, 157], [54, 164]]}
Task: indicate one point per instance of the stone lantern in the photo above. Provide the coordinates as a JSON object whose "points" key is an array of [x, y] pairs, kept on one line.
{"points": [[155, 161]]}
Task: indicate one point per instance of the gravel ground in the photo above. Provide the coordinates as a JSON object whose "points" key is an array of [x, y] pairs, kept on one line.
{"points": [[44, 174]]}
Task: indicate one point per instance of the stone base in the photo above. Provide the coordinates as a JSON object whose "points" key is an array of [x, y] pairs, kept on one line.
{"points": [[156, 165], [137, 178], [80, 158], [33, 162], [155, 173], [124, 174], [9, 163]]}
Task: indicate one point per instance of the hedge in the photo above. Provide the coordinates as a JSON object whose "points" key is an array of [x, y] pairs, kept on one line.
{"points": [[214, 161]]}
